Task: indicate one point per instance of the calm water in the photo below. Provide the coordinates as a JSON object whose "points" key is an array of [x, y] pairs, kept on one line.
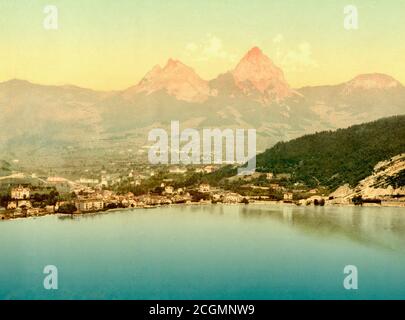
{"points": [[207, 252]]}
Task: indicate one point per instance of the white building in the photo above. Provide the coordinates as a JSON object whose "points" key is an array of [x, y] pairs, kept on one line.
{"points": [[204, 187], [178, 171], [169, 189], [206, 169], [20, 193], [12, 205], [288, 196], [86, 181], [56, 180], [232, 198], [19, 204], [61, 184], [89, 205]]}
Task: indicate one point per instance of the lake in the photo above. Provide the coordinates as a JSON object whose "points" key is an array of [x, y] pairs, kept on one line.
{"points": [[207, 252]]}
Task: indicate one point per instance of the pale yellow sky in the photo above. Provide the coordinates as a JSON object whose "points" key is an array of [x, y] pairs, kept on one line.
{"points": [[111, 44]]}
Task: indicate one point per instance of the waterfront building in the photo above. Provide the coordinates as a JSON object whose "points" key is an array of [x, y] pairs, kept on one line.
{"points": [[204, 187], [20, 193], [87, 205], [169, 189], [288, 196]]}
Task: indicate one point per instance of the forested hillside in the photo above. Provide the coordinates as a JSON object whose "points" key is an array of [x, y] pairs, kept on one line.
{"points": [[333, 158]]}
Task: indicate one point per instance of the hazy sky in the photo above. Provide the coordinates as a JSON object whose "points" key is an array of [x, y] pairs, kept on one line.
{"points": [[111, 44]]}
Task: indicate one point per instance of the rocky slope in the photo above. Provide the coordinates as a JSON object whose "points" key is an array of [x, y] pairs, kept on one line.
{"points": [[175, 79], [386, 182]]}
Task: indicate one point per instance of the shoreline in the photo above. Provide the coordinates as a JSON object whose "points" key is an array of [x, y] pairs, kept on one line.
{"points": [[6, 217]]}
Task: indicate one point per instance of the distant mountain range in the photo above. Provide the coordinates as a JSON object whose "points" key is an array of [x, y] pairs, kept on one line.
{"points": [[38, 121]]}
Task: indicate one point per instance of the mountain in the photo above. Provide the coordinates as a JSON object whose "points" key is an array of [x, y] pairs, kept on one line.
{"points": [[256, 76], [334, 158], [40, 121], [257, 72], [365, 98], [176, 79], [252, 95], [374, 81], [38, 115]]}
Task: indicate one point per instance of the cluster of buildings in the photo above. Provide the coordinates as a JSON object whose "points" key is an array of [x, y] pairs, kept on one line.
{"points": [[90, 200], [20, 199], [92, 195], [20, 203]]}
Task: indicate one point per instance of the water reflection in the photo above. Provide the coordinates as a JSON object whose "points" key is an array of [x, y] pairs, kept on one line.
{"points": [[379, 227]]}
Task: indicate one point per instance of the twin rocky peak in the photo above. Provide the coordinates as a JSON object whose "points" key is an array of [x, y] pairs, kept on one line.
{"points": [[255, 75]]}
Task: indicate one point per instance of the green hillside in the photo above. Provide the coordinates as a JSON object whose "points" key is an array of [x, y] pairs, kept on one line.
{"points": [[333, 158]]}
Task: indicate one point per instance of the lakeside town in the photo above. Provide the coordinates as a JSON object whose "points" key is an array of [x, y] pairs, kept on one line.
{"points": [[54, 194], [28, 195]]}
